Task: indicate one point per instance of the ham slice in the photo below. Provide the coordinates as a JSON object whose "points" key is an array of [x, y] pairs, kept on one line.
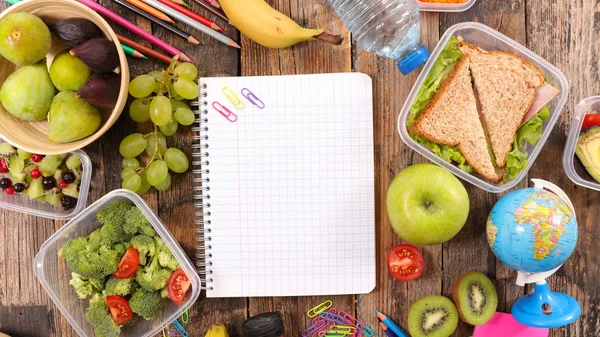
{"points": [[543, 95]]}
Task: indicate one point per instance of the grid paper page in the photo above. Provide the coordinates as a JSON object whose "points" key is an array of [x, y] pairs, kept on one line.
{"points": [[291, 186]]}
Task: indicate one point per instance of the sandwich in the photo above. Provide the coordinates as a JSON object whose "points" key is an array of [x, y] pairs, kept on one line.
{"points": [[478, 109]]}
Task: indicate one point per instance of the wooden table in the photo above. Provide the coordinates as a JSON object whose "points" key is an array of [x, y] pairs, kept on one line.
{"points": [[564, 32]]}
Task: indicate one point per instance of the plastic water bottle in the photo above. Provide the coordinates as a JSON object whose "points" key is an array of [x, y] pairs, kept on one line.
{"points": [[388, 28]]}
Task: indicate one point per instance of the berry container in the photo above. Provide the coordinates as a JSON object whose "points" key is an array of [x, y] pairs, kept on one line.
{"points": [[445, 7], [54, 275], [573, 167], [21, 203], [488, 39]]}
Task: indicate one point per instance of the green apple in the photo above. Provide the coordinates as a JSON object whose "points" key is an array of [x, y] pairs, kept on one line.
{"points": [[427, 205]]}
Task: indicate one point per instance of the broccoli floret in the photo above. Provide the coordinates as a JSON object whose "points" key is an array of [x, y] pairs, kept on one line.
{"points": [[83, 287], [121, 248], [145, 247], [107, 328], [97, 283], [136, 222], [146, 304], [97, 310], [166, 259], [153, 277], [158, 242], [86, 258], [164, 292], [121, 287], [113, 218], [131, 322]]}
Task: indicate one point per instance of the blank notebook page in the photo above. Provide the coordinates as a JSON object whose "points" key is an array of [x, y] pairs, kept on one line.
{"points": [[291, 186]]}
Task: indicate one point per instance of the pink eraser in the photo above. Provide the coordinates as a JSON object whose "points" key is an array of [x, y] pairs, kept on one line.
{"points": [[504, 325]]}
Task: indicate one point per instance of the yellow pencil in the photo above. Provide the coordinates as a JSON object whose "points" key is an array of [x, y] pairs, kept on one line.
{"points": [[151, 10]]}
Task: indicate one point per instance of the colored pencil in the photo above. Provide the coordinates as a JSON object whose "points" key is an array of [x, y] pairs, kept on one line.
{"points": [[147, 51], [181, 2], [135, 29], [161, 23], [132, 52], [387, 331], [213, 10], [193, 23], [390, 324], [213, 3], [151, 10], [192, 15]]}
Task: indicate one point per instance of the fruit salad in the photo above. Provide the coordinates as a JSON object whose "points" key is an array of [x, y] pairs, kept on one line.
{"points": [[49, 179]]}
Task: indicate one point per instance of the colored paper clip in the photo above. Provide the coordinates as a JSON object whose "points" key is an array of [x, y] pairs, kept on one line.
{"points": [[343, 329], [351, 319], [311, 330], [251, 97], [331, 317], [225, 112], [185, 317], [180, 328], [314, 312], [368, 331], [233, 98], [325, 330]]}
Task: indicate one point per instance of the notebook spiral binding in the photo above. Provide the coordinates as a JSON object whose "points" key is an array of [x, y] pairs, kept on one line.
{"points": [[201, 188]]}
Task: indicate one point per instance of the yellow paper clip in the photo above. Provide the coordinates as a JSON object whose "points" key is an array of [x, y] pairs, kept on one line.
{"points": [[233, 98], [314, 312], [343, 329], [185, 317]]}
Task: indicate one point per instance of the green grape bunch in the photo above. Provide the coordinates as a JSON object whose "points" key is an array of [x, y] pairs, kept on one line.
{"points": [[159, 98]]}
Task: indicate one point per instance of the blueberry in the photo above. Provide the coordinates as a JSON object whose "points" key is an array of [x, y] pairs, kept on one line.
{"points": [[68, 177], [5, 183], [48, 183], [19, 187]]}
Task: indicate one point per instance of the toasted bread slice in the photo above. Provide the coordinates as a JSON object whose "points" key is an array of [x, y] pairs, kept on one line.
{"points": [[505, 84], [451, 118]]}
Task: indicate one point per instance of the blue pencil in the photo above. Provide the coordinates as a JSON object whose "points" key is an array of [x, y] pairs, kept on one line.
{"points": [[390, 324], [387, 331]]}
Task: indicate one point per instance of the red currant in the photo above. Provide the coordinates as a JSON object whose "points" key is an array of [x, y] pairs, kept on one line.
{"points": [[36, 158], [3, 166], [9, 190], [35, 173], [62, 184]]}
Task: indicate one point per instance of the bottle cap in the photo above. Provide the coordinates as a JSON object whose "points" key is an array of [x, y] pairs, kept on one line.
{"points": [[413, 61], [268, 324]]}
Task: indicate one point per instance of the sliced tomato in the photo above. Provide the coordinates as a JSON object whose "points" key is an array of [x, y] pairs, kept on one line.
{"points": [[128, 265], [178, 286], [405, 262], [591, 120], [119, 309]]}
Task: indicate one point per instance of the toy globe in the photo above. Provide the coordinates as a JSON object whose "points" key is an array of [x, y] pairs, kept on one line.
{"points": [[534, 231]]}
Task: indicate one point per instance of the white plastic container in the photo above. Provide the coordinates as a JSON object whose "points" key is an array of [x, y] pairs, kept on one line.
{"points": [[488, 39], [54, 275], [574, 169], [441, 7], [21, 203]]}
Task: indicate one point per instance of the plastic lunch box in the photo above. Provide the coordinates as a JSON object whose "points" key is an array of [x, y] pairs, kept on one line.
{"points": [[21, 203], [575, 171], [489, 39], [441, 7], [54, 275]]}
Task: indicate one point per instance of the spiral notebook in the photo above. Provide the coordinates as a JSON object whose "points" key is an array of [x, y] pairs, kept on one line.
{"points": [[284, 181]]}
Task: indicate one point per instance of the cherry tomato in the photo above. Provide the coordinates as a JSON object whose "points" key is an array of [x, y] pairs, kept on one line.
{"points": [[591, 120], [128, 265], [120, 309], [405, 262], [178, 286]]}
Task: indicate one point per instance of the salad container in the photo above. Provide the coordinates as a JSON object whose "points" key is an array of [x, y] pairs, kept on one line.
{"points": [[489, 39], [53, 274], [21, 203], [445, 7], [574, 169]]}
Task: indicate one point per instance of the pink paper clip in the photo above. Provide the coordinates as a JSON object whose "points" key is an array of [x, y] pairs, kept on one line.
{"points": [[225, 112], [325, 330], [251, 97], [351, 319]]}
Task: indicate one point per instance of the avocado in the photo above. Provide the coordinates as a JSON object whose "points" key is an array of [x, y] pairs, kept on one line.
{"points": [[588, 151]]}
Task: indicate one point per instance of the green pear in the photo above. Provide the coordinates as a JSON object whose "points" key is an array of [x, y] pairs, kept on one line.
{"points": [[71, 118]]}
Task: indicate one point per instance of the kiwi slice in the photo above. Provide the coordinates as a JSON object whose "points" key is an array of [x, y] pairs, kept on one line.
{"points": [[6, 150], [432, 316], [50, 163], [35, 189], [71, 191], [475, 297]]}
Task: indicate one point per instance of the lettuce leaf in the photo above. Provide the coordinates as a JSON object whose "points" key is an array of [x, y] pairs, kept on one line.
{"points": [[530, 132], [441, 68]]}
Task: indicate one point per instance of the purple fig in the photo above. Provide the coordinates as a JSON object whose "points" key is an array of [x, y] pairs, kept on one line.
{"points": [[75, 31], [102, 90], [100, 55]]}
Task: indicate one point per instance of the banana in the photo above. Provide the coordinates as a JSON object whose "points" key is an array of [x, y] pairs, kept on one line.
{"points": [[269, 27], [217, 330]]}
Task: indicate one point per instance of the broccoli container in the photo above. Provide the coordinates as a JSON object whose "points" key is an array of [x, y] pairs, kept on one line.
{"points": [[54, 275]]}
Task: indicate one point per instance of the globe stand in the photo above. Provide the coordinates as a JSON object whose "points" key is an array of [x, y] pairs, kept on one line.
{"points": [[544, 308]]}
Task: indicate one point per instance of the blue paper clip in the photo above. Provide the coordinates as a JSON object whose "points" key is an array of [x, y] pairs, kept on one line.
{"points": [[332, 317], [180, 328], [233, 98], [252, 98], [368, 331], [225, 112]]}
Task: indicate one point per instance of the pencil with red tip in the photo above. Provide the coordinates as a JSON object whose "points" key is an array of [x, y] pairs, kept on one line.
{"points": [[192, 15], [387, 331], [212, 9], [390, 324]]}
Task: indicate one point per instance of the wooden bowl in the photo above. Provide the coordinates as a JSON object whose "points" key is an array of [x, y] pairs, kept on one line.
{"points": [[33, 136]]}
